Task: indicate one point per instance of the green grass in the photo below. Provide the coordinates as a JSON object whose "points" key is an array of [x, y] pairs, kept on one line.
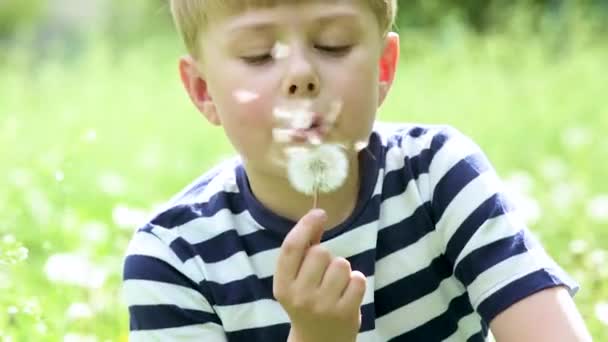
{"points": [[69, 129]]}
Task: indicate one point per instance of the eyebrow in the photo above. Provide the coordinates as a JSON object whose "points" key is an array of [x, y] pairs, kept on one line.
{"points": [[261, 25]]}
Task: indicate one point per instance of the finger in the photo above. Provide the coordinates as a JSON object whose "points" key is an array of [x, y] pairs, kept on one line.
{"points": [[306, 232], [313, 268], [336, 278], [353, 295]]}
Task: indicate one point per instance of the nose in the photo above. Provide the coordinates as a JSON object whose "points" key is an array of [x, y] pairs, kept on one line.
{"points": [[301, 79]]}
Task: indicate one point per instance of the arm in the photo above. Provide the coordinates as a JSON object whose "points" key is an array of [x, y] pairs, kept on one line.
{"points": [[548, 315], [512, 282], [164, 303]]}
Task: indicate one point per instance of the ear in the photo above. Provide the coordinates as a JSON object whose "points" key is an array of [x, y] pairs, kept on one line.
{"points": [[388, 64], [197, 89]]}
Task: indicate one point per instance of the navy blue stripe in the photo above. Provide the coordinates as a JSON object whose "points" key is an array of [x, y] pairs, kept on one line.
{"points": [[150, 317], [402, 234], [490, 208], [516, 291], [252, 288], [228, 243], [144, 267], [455, 180], [412, 287], [184, 213], [442, 326], [395, 181], [479, 337], [277, 332], [483, 258], [368, 317]]}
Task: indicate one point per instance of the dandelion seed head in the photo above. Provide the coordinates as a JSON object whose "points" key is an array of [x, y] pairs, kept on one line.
{"points": [[323, 168]]}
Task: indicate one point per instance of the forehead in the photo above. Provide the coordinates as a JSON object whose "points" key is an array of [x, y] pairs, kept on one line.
{"points": [[237, 6], [232, 14]]}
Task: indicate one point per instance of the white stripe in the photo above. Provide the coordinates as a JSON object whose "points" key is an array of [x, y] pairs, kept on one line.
{"points": [[205, 228], [399, 207], [492, 230], [467, 327], [407, 261], [466, 201], [261, 313], [410, 147], [263, 264], [451, 153], [146, 244], [190, 333], [147, 292], [504, 273], [422, 310]]}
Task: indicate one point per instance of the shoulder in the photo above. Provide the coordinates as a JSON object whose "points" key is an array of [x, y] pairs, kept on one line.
{"points": [[204, 197], [408, 136], [426, 147]]}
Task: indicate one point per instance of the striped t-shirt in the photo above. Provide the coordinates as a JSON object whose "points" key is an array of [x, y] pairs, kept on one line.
{"points": [[443, 249]]}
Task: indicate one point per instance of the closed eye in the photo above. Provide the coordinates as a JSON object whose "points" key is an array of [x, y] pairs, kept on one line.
{"points": [[336, 50], [258, 59]]}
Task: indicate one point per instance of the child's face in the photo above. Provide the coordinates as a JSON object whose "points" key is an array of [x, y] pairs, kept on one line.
{"points": [[323, 54]]}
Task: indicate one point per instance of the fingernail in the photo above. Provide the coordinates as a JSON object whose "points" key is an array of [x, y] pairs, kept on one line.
{"points": [[319, 214]]}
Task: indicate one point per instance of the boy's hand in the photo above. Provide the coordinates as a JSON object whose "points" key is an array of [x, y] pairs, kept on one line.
{"points": [[320, 293]]}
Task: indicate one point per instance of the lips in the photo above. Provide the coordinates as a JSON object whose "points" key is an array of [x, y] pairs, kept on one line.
{"points": [[314, 134]]}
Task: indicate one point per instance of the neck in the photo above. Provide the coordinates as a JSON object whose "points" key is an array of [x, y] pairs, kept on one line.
{"points": [[277, 194]]}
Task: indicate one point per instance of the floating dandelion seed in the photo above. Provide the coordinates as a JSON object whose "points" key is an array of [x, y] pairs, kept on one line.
{"points": [[360, 146], [279, 51], [316, 170], [245, 96]]}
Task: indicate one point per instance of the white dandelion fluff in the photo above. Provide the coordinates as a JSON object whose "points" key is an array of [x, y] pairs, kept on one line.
{"points": [[280, 50], [245, 96], [317, 169]]}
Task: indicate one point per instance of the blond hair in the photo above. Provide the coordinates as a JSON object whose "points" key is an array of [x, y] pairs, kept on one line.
{"points": [[192, 16]]}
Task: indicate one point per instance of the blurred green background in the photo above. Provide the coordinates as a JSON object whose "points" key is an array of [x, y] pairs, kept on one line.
{"points": [[95, 131]]}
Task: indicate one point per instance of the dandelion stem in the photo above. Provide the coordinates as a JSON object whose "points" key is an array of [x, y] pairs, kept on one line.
{"points": [[315, 197]]}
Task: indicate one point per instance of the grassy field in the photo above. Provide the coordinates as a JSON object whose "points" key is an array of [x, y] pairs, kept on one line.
{"points": [[87, 147]]}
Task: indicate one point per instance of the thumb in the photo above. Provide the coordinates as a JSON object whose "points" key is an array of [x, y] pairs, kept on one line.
{"points": [[312, 226]]}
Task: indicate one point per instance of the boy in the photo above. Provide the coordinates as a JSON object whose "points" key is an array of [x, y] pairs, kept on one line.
{"points": [[418, 243]]}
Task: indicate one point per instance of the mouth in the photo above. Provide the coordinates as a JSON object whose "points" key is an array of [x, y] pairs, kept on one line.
{"points": [[315, 133]]}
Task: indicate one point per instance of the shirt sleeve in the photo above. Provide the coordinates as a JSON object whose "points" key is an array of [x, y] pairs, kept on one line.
{"points": [[164, 302], [493, 253]]}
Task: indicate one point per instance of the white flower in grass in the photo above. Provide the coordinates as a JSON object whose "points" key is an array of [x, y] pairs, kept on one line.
{"points": [[576, 137], [112, 183], [73, 337], [74, 269], [578, 246], [323, 168], [79, 311], [601, 312], [597, 208], [128, 218]]}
